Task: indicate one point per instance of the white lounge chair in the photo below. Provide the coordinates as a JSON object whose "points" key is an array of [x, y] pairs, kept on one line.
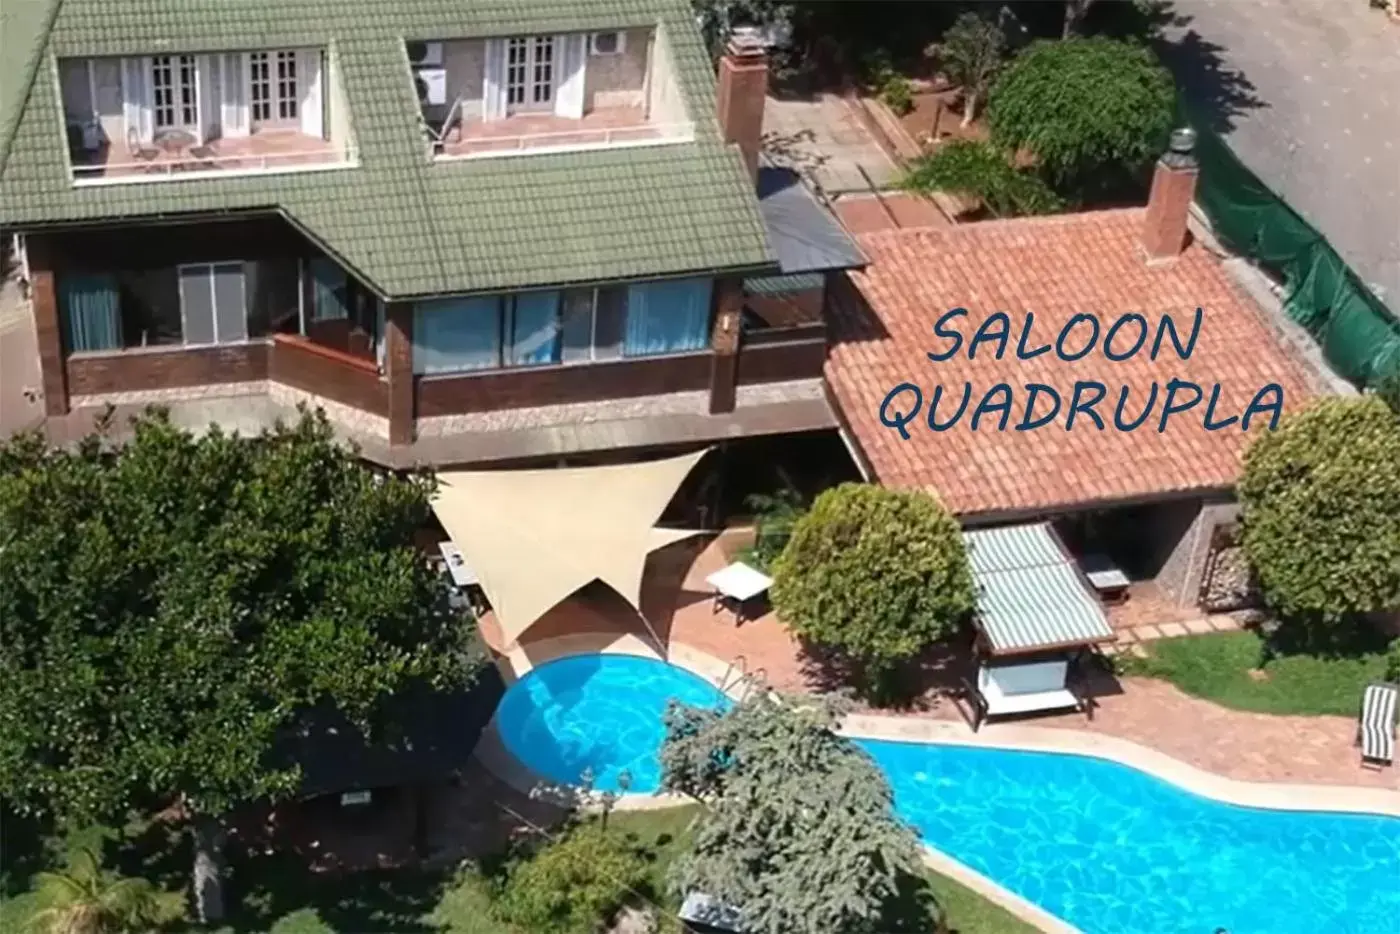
{"points": [[1376, 731]]}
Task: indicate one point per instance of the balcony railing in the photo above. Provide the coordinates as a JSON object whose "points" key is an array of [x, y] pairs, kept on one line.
{"points": [[573, 140], [185, 165]]}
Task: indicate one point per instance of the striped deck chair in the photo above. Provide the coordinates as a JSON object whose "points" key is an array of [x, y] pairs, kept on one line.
{"points": [[1376, 731]]}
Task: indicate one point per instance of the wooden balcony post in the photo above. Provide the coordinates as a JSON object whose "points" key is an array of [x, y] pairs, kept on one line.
{"points": [[398, 371], [724, 342]]}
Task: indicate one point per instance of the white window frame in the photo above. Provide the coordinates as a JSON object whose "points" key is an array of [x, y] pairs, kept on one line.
{"points": [[287, 94], [183, 116], [259, 86], [529, 66], [274, 100], [213, 300], [617, 50]]}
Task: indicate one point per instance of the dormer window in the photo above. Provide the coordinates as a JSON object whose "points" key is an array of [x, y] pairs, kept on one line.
{"points": [[607, 43], [184, 114]]}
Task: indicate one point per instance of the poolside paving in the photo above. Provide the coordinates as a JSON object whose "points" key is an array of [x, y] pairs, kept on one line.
{"points": [[1231, 743]]}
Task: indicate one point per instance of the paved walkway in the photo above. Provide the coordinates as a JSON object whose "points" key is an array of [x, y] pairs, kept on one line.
{"points": [[21, 401], [819, 135], [1304, 91]]}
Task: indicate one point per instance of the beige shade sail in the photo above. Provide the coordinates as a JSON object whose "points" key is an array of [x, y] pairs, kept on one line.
{"points": [[534, 537]]}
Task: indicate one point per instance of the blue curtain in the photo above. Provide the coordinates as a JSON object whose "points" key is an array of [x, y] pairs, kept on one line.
{"points": [[328, 291], [534, 337], [667, 317], [92, 312], [455, 334]]}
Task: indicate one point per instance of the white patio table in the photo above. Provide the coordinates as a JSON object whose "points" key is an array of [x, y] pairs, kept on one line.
{"points": [[738, 584]]}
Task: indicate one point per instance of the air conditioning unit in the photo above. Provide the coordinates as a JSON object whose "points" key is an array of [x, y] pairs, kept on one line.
{"points": [[424, 53], [432, 85]]}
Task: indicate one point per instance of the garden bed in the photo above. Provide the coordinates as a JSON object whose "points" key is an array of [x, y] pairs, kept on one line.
{"points": [[937, 115]]}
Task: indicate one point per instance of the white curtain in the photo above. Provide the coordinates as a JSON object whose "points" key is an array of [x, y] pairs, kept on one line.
{"points": [[233, 93], [573, 53], [493, 85], [309, 79], [136, 98]]}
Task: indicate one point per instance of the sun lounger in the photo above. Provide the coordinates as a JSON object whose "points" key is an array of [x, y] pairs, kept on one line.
{"points": [[1376, 732]]}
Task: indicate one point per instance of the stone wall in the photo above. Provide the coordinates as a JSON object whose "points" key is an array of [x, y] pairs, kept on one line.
{"points": [[1184, 568]]}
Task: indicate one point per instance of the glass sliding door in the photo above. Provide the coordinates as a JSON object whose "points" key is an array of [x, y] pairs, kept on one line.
{"points": [[533, 329], [672, 316], [453, 335], [213, 303]]}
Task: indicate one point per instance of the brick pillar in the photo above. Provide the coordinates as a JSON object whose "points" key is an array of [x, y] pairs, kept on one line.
{"points": [[398, 370], [43, 298], [724, 341], [743, 85], [1169, 203]]}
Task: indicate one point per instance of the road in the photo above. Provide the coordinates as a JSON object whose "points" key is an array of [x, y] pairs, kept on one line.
{"points": [[1305, 91]]}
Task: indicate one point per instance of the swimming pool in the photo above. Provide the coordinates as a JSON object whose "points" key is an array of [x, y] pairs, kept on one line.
{"points": [[597, 712], [1107, 848]]}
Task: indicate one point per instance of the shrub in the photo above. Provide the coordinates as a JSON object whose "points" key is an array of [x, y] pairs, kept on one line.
{"points": [[774, 517], [980, 170], [1388, 388], [897, 94], [1087, 108], [1321, 498], [875, 574], [571, 885]]}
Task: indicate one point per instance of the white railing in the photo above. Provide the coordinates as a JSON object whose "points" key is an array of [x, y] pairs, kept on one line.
{"points": [[164, 165], [468, 146]]}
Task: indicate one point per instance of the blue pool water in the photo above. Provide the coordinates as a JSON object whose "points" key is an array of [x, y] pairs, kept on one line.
{"points": [[598, 712], [1107, 848]]}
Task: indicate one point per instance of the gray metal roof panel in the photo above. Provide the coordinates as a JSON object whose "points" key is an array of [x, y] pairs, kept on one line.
{"points": [[1030, 595], [804, 235]]}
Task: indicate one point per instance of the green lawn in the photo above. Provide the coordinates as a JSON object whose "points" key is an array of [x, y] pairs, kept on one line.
{"points": [[277, 896], [1223, 667]]}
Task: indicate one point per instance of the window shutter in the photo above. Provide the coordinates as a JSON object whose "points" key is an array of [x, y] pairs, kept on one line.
{"points": [[493, 84], [148, 95], [233, 94], [568, 96], [210, 95], [309, 86], [135, 111], [206, 105]]}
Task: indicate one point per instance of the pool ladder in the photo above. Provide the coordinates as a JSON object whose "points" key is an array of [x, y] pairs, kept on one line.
{"points": [[737, 677]]}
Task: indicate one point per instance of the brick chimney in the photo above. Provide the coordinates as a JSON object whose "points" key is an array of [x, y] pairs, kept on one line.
{"points": [[743, 85], [1173, 187]]}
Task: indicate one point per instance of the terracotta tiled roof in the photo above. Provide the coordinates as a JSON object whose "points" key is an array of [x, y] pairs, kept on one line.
{"points": [[1055, 267]]}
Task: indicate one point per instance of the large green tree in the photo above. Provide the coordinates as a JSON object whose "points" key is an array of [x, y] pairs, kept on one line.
{"points": [[876, 574], [797, 829], [1321, 499], [170, 608], [1094, 112]]}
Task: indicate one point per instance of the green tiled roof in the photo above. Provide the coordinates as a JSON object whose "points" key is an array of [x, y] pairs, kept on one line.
{"points": [[407, 225]]}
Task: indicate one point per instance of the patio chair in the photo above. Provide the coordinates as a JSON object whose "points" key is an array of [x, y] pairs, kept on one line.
{"points": [[137, 149], [1376, 731]]}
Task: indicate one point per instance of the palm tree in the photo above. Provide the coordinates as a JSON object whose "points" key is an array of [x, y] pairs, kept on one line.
{"points": [[85, 899]]}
